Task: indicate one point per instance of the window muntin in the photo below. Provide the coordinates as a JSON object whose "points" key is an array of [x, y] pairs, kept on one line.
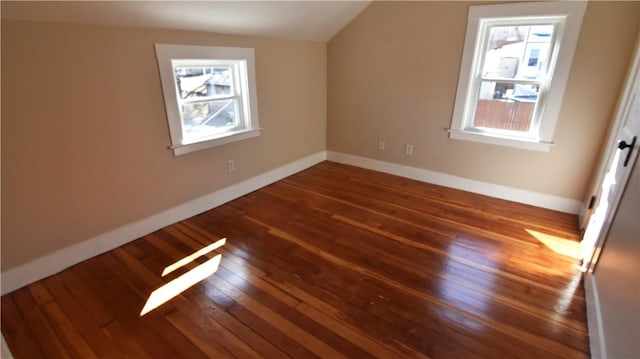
{"points": [[527, 81], [209, 95]]}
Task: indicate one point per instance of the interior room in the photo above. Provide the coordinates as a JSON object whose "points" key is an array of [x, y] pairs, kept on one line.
{"points": [[373, 182]]}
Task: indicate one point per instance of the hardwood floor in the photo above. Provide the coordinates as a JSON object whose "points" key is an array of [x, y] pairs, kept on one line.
{"points": [[333, 262]]}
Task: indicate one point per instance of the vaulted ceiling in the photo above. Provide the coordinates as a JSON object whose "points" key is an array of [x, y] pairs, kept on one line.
{"points": [[302, 20]]}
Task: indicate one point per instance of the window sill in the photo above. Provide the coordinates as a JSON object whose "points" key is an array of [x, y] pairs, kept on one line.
{"points": [[526, 144], [229, 138]]}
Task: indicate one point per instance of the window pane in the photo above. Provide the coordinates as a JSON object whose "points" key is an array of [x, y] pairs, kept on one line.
{"points": [[505, 106], [199, 82], [517, 51], [209, 118]]}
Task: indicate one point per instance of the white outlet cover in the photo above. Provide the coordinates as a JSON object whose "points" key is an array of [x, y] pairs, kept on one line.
{"points": [[408, 150]]}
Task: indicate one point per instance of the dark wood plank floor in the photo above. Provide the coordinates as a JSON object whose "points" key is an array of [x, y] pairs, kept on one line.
{"points": [[332, 262]]}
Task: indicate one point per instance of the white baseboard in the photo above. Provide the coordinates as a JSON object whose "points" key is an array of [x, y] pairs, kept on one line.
{"points": [[594, 318], [557, 203], [55, 262]]}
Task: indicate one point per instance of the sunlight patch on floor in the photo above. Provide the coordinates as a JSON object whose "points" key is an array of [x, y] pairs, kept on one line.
{"points": [[186, 260], [565, 247], [178, 285]]}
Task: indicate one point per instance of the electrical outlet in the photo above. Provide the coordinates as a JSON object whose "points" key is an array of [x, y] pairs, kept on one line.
{"points": [[231, 165], [408, 150], [381, 145]]}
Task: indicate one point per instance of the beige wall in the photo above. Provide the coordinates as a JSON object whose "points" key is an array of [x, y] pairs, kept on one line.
{"points": [[84, 130], [392, 75]]}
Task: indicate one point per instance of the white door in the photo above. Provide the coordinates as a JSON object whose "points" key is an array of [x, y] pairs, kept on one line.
{"points": [[616, 282], [623, 149]]}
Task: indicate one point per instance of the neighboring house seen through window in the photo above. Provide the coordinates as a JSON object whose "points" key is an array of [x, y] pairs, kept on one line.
{"points": [[514, 70], [209, 95]]}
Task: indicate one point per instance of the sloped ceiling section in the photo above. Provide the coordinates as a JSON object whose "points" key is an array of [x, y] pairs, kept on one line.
{"points": [[299, 20]]}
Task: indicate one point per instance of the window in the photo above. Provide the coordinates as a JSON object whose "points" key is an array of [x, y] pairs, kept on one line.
{"points": [[209, 94], [514, 70]]}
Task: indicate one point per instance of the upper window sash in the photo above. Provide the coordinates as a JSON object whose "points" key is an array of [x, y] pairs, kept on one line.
{"points": [[486, 24], [234, 73]]}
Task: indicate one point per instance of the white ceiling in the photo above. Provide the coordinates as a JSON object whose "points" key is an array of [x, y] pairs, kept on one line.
{"points": [[301, 20]]}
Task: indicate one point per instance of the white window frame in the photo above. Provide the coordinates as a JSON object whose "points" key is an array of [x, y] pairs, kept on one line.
{"points": [[242, 62], [568, 19]]}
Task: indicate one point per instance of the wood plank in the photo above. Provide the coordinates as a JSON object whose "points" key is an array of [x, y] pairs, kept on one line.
{"points": [[39, 293], [235, 327], [78, 320], [15, 329], [127, 344], [74, 341], [552, 346], [44, 334], [310, 342], [199, 338], [91, 305], [209, 336], [282, 340], [308, 325], [118, 299], [343, 272]]}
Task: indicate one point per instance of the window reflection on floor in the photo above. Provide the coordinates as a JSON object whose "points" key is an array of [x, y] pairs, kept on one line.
{"points": [[465, 297]]}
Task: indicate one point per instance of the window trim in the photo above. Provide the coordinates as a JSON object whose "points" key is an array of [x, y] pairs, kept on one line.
{"points": [[167, 53], [572, 12]]}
